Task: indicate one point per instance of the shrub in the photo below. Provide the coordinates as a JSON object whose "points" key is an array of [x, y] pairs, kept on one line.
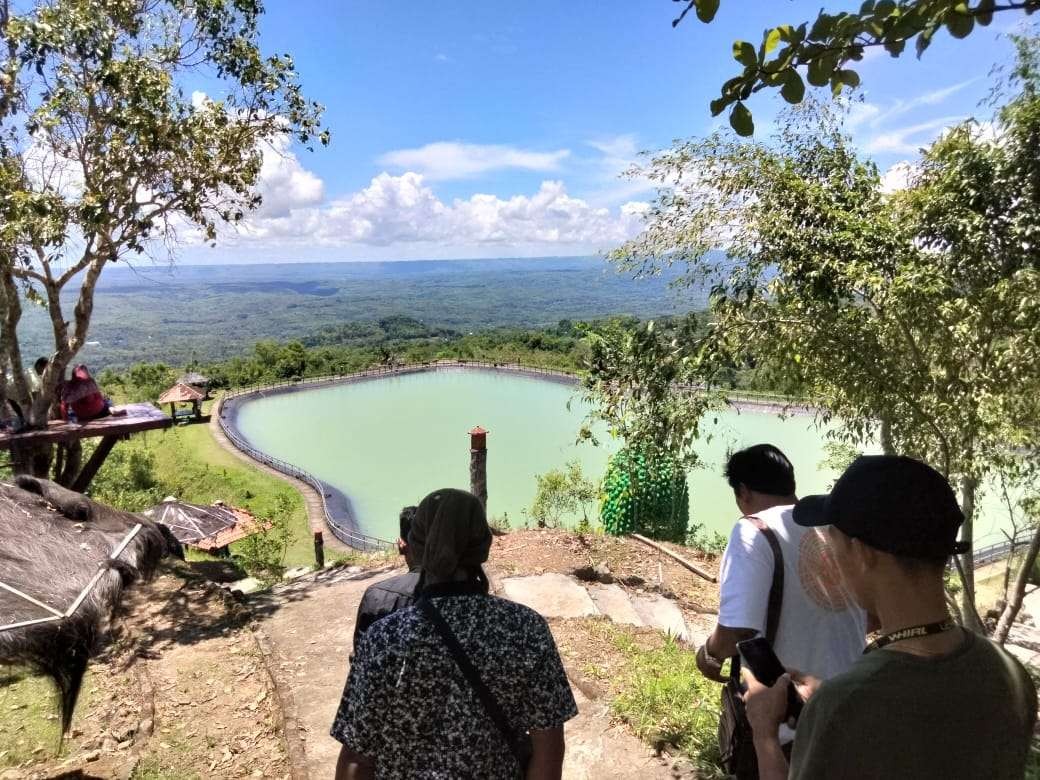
{"points": [[561, 495], [711, 543], [500, 524], [262, 555], [645, 492]]}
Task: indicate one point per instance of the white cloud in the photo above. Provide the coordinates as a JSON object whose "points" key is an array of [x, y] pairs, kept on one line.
{"points": [[284, 183], [404, 211], [861, 113], [897, 177], [618, 155], [442, 57], [620, 147], [447, 160], [910, 139]]}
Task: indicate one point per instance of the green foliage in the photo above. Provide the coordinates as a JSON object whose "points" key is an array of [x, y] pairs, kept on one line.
{"points": [[645, 492], [911, 318], [822, 49], [561, 495], [636, 373], [665, 699], [103, 148], [263, 554], [128, 480], [837, 456], [500, 523], [140, 382], [700, 538]]}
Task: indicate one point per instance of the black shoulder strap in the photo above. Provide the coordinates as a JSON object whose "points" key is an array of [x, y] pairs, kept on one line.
{"points": [[776, 590], [473, 676]]}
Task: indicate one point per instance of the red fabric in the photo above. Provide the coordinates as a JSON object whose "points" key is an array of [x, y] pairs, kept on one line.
{"points": [[82, 395]]}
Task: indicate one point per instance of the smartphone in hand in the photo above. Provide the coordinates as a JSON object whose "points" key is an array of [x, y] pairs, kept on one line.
{"points": [[758, 656]]}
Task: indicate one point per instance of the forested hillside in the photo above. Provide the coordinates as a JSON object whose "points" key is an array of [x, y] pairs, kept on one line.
{"points": [[176, 315]]}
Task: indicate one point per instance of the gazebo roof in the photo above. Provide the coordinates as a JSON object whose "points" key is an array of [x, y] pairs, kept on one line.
{"points": [[204, 527], [180, 393], [193, 378]]}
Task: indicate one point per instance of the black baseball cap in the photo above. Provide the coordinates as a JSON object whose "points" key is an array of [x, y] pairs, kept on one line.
{"points": [[893, 503]]}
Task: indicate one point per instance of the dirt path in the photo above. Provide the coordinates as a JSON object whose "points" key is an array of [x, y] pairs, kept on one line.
{"points": [[182, 694], [307, 629]]}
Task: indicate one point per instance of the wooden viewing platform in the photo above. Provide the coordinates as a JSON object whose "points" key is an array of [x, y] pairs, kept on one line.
{"points": [[138, 417]]}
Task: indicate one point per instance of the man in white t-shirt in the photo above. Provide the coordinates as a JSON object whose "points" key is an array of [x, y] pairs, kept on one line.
{"points": [[821, 631]]}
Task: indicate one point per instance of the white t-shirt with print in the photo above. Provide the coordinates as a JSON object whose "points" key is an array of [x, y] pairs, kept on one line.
{"points": [[822, 632]]}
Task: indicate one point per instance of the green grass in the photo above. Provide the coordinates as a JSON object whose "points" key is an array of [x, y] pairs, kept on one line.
{"points": [[30, 715], [152, 768], [665, 699], [187, 462]]}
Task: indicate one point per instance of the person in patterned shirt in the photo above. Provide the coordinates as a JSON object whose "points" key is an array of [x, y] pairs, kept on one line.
{"points": [[408, 711]]}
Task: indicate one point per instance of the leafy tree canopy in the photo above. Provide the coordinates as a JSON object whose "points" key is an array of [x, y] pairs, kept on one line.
{"points": [[106, 152], [912, 317], [823, 51]]}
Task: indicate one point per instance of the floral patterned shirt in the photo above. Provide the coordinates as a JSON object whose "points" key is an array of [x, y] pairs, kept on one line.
{"points": [[408, 707]]}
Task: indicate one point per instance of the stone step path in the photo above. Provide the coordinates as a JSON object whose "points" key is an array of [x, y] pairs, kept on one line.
{"points": [[306, 631], [557, 595]]}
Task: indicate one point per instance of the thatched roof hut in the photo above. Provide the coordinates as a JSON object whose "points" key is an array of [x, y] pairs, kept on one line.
{"points": [[67, 560], [181, 393]]}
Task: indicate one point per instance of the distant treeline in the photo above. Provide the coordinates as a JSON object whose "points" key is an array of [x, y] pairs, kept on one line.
{"points": [[354, 346]]}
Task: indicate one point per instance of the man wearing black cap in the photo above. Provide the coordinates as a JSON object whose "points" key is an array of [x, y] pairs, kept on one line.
{"points": [[928, 699]]}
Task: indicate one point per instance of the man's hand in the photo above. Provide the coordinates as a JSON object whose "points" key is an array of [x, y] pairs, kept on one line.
{"points": [[710, 667], [352, 766], [769, 705], [805, 684], [766, 707]]}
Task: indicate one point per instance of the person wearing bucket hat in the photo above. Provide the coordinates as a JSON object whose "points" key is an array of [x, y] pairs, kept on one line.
{"points": [[928, 699], [462, 683]]}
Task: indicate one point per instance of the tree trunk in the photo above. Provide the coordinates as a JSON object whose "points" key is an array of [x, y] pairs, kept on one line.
{"points": [[73, 452], [969, 486], [1014, 601], [886, 437]]}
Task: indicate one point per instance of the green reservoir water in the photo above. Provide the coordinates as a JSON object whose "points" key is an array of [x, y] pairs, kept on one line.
{"points": [[388, 442]]}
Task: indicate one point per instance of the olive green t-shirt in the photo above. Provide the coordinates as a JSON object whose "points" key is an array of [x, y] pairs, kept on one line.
{"points": [[969, 714]]}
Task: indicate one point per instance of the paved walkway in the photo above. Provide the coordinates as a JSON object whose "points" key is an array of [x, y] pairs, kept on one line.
{"points": [[315, 511], [306, 629]]}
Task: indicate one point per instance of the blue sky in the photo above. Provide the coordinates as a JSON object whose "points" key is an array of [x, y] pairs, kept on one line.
{"points": [[477, 129]]}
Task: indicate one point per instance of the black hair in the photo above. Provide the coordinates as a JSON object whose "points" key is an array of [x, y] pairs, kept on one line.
{"points": [[40, 365], [762, 468], [406, 518]]}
